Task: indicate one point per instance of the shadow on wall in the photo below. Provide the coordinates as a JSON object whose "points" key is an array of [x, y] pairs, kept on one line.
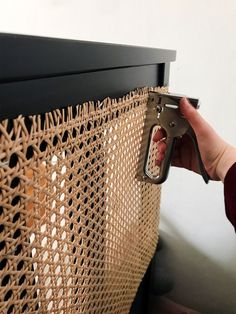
{"points": [[199, 282]]}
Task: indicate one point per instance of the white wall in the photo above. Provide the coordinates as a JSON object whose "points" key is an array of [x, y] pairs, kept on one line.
{"points": [[200, 249]]}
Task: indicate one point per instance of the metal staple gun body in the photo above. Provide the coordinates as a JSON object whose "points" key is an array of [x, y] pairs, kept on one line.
{"points": [[163, 111]]}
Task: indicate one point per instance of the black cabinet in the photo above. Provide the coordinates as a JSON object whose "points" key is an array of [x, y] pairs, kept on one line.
{"points": [[41, 74]]}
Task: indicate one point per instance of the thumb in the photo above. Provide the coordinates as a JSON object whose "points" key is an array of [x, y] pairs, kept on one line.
{"points": [[196, 121]]}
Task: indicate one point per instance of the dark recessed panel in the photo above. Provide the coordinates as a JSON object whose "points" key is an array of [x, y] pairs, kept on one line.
{"points": [[42, 95]]}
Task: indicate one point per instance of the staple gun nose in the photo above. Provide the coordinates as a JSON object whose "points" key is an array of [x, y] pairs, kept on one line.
{"points": [[163, 112]]}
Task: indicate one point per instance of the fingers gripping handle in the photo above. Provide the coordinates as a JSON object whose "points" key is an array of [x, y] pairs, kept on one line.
{"points": [[165, 165]]}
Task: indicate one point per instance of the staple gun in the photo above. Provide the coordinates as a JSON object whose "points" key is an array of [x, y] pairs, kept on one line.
{"points": [[163, 112]]}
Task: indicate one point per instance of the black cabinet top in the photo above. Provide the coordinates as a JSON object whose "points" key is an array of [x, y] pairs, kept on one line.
{"points": [[39, 74], [29, 57]]}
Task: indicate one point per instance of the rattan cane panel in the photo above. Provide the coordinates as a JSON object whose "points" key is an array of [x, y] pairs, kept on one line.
{"points": [[77, 230]]}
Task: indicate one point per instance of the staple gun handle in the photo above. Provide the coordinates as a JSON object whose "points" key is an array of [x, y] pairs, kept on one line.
{"points": [[165, 164], [201, 166]]}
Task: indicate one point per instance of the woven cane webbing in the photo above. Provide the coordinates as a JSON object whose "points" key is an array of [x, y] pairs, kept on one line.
{"points": [[77, 230]]}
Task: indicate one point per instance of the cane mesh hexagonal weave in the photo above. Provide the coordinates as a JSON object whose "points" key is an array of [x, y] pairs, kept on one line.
{"points": [[77, 229]]}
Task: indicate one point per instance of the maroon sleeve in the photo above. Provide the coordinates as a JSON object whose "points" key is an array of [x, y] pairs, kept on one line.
{"points": [[230, 194]]}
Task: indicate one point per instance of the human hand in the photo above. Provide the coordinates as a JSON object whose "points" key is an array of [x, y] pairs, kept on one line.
{"points": [[217, 155]]}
